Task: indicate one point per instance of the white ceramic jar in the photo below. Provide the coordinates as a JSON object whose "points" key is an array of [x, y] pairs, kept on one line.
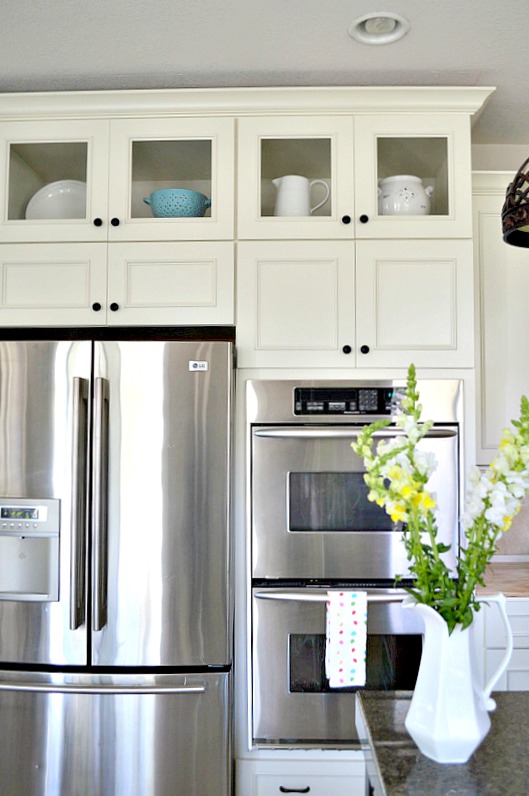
{"points": [[403, 194]]}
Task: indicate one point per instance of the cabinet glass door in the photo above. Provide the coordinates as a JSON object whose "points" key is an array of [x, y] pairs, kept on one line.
{"points": [[412, 176], [55, 181], [295, 178], [171, 179]]}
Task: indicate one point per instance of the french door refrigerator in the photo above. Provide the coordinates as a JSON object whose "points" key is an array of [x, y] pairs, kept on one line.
{"points": [[115, 606]]}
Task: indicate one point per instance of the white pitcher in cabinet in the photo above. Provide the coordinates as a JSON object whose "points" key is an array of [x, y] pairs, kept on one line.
{"points": [[294, 195]]}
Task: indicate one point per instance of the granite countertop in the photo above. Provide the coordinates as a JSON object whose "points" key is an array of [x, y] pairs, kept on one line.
{"points": [[510, 578], [499, 767]]}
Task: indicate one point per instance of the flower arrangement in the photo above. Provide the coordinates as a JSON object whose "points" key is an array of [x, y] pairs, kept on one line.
{"points": [[397, 474]]}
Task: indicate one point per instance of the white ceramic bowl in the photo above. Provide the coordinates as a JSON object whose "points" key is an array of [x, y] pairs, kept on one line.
{"points": [[61, 199]]}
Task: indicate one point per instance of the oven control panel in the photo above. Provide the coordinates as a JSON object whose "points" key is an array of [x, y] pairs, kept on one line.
{"points": [[347, 400]]}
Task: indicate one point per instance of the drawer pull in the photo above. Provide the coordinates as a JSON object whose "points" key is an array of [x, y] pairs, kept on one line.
{"points": [[282, 789]]}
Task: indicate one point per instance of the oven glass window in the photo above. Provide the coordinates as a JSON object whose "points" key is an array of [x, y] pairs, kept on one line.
{"points": [[392, 663], [333, 501]]}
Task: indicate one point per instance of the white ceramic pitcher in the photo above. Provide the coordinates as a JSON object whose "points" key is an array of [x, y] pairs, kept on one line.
{"points": [[293, 195], [449, 712]]}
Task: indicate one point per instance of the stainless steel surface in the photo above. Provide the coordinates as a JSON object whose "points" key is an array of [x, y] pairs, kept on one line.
{"points": [[270, 401], [168, 508], [282, 716], [158, 440], [126, 735], [78, 504], [100, 439], [135, 448], [304, 595], [279, 551]]}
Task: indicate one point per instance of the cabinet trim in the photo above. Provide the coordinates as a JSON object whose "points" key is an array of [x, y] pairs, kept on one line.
{"points": [[245, 101]]}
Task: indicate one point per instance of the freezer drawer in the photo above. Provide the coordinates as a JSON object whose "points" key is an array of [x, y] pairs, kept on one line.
{"points": [[163, 735]]}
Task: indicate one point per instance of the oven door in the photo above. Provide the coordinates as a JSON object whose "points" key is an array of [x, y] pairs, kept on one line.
{"points": [[292, 700], [310, 514]]}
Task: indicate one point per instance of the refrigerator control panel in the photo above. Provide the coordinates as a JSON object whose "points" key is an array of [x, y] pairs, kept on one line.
{"points": [[29, 516]]}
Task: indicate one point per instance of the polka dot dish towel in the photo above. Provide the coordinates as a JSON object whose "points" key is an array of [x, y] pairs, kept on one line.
{"points": [[345, 651]]}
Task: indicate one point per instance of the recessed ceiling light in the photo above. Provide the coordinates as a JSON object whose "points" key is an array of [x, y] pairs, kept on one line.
{"points": [[379, 27]]}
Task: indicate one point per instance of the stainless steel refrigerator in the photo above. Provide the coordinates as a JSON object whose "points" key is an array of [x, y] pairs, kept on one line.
{"points": [[115, 605]]}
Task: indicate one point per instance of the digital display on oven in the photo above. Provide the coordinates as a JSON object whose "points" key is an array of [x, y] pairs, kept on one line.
{"points": [[346, 400]]}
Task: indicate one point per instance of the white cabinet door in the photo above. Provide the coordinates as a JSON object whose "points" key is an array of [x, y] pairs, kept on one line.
{"points": [[48, 167], [433, 147], [503, 287], [53, 284], [516, 676], [147, 155], [295, 304], [415, 303], [170, 283], [314, 147]]}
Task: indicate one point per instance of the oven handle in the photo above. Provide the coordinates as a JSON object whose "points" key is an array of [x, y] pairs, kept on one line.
{"points": [[301, 595], [342, 433]]}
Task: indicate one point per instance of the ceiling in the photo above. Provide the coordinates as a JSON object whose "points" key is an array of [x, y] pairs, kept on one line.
{"points": [[59, 45]]}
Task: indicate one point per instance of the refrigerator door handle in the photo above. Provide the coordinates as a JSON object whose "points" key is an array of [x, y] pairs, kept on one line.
{"points": [[100, 503], [78, 510], [103, 689]]}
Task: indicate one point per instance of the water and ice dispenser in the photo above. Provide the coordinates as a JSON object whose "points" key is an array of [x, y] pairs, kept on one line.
{"points": [[29, 549]]}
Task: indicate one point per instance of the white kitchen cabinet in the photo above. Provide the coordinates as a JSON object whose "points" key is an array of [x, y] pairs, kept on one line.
{"points": [[121, 161], [117, 284], [414, 303], [502, 273], [351, 154], [434, 147], [319, 778], [308, 303], [516, 676], [314, 147]]}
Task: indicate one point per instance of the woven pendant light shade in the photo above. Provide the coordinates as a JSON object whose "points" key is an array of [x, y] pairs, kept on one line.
{"points": [[515, 213]]}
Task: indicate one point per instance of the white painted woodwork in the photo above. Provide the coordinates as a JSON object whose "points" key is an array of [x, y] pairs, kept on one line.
{"points": [[299, 305], [324, 778], [516, 677], [121, 161], [52, 285], [503, 321], [36, 153], [171, 283], [414, 303], [295, 303], [435, 148], [315, 147], [152, 283]]}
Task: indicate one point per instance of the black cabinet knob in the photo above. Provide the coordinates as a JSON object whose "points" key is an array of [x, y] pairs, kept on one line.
{"points": [[98, 222], [114, 222], [364, 349], [96, 306], [114, 307], [346, 219], [282, 789], [347, 349], [363, 219]]}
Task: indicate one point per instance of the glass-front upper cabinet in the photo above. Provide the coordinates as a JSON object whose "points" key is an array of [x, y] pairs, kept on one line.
{"points": [[54, 180], [172, 178], [295, 177], [122, 179], [412, 176]]}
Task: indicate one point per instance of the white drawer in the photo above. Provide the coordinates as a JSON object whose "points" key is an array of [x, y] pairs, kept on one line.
{"points": [[315, 778], [327, 785]]}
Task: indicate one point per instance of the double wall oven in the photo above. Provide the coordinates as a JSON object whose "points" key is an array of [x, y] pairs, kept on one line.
{"points": [[313, 529]]}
